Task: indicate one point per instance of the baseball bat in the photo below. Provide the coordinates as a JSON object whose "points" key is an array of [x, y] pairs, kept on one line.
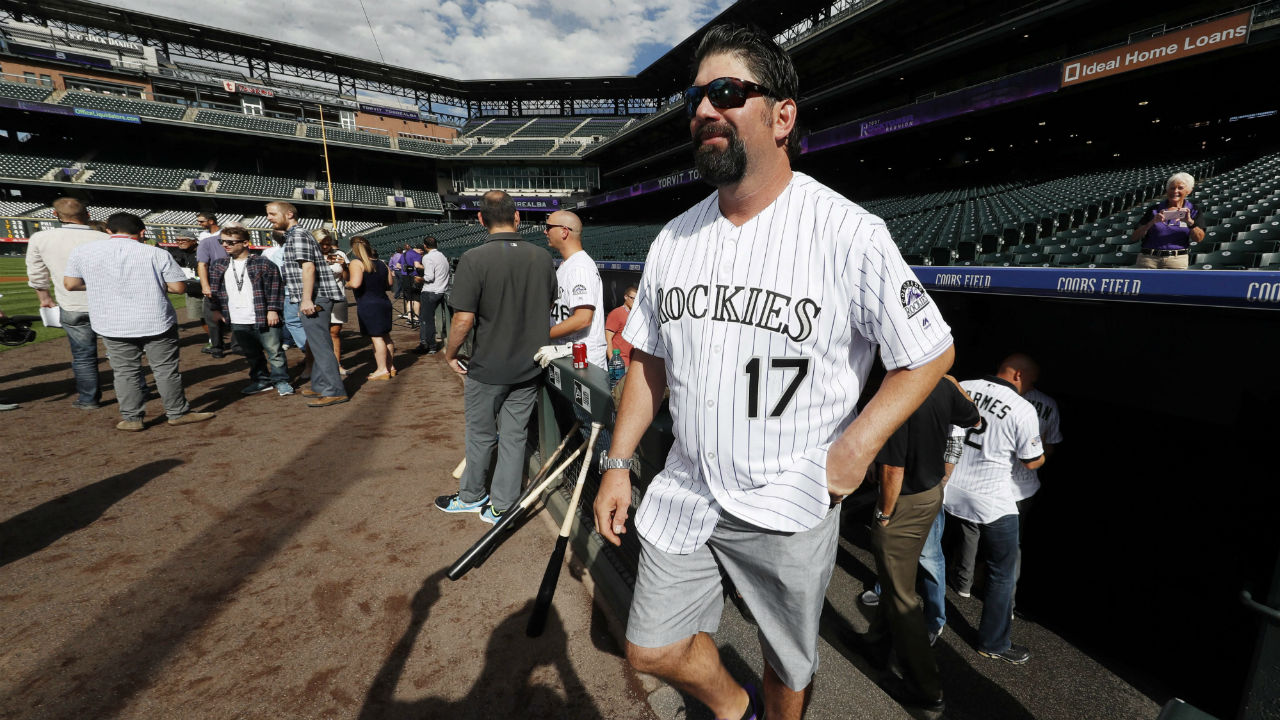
{"points": [[478, 553], [550, 578], [457, 472]]}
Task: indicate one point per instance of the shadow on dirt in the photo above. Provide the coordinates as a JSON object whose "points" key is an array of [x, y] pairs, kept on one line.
{"points": [[512, 683], [41, 526]]}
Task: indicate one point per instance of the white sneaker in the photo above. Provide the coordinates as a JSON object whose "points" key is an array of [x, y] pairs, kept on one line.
{"points": [[869, 598]]}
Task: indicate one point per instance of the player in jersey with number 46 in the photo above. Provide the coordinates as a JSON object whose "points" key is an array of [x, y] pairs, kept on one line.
{"points": [[760, 309]]}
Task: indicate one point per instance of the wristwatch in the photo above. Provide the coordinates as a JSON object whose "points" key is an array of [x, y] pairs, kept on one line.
{"points": [[608, 463], [882, 516]]}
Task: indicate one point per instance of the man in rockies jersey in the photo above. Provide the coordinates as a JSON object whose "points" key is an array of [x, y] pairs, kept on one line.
{"points": [[760, 310], [981, 498], [578, 313]]}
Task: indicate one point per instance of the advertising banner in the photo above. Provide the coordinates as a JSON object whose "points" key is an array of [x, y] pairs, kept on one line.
{"points": [[1194, 40], [1218, 288], [400, 113], [232, 86]]}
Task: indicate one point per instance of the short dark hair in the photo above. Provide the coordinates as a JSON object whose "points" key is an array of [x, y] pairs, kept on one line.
{"points": [[236, 232], [125, 223], [765, 59], [208, 216], [497, 209], [430, 243]]}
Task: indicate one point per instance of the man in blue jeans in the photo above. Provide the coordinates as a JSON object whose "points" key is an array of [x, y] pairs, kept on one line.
{"points": [[47, 253], [126, 282], [315, 293], [435, 283], [248, 295], [981, 495]]}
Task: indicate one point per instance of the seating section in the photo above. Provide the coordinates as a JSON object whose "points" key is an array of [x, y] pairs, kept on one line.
{"points": [[424, 199], [524, 147], [474, 124], [30, 167], [115, 103], [1012, 224], [603, 126], [565, 149], [427, 146], [347, 228], [260, 222], [138, 176], [95, 212], [477, 149], [24, 91], [349, 136], [266, 186], [499, 128], [10, 208], [360, 194], [549, 127], [252, 123]]}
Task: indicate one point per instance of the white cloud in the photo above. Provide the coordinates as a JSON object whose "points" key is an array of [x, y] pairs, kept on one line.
{"points": [[464, 39]]}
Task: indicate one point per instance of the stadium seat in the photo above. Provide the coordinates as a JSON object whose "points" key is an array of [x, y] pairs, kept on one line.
{"points": [[1073, 258], [1223, 260], [1031, 259], [1251, 246], [1270, 261], [1116, 259]]}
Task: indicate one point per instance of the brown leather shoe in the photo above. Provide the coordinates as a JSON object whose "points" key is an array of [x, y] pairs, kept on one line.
{"points": [[327, 401], [129, 425], [308, 392]]}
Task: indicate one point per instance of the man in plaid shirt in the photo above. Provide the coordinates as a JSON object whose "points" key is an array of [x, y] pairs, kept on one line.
{"points": [[248, 294], [314, 292]]}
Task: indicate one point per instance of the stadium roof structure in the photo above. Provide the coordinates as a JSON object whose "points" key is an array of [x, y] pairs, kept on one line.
{"points": [[264, 57]]}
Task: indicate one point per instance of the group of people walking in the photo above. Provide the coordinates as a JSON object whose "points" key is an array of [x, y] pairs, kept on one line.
{"points": [[114, 287]]}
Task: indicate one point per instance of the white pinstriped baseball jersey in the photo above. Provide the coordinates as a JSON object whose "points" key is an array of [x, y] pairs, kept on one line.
{"points": [[1026, 482], [579, 285], [981, 486], [768, 332]]}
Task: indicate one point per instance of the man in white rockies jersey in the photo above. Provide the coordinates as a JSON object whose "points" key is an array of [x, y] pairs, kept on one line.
{"points": [[760, 309], [578, 313], [980, 496]]}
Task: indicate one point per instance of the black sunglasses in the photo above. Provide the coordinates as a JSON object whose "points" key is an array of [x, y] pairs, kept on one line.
{"points": [[724, 93]]}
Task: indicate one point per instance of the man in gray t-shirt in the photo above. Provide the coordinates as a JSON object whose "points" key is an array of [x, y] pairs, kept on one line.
{"points": [[504, 290]]}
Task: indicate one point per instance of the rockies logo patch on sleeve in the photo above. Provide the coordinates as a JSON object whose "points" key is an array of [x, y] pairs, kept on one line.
{"points": [[913, 297]]}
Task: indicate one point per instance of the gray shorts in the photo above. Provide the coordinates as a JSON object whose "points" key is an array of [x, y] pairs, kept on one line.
{"points": [[338, 316], [782, 578]]}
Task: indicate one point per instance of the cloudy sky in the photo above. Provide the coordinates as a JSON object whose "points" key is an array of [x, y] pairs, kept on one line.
{"points": [[466, 39]]}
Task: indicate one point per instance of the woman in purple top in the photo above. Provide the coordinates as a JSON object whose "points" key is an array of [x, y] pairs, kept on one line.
{"points": [[1170, 228]]}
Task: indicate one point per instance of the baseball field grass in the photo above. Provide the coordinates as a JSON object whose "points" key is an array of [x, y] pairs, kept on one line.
{"points": [[18, 299]]}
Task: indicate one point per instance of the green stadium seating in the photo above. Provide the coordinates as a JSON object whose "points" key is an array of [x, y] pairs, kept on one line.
{"points": [[252, 123], [114, 103], [25, 91]]}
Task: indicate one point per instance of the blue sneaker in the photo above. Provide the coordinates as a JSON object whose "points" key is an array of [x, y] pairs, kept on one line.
{"points": [[451, 504], [490, 515], [284, 388]]}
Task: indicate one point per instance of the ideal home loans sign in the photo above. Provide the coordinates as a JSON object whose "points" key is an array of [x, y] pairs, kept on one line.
{"points": [[1202, 38]]}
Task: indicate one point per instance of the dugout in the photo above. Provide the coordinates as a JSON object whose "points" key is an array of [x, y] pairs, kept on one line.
{"points": [[1157, 510]]}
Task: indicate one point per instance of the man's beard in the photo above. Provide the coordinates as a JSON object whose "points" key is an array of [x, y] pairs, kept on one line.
{"points": [[720, 167]]}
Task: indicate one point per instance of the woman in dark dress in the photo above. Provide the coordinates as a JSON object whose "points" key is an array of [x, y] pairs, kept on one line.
{"points": [[370, 278]]}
